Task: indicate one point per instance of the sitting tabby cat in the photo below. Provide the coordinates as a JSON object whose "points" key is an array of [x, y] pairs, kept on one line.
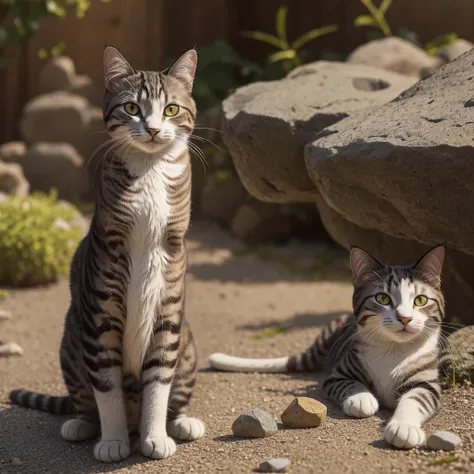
{"points": [[127, 356], [386, 353]]}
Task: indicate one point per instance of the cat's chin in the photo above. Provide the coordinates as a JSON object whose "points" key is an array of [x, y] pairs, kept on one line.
{"points": [[150, 147]]}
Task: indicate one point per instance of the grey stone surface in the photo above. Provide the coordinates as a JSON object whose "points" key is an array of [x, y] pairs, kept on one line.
{"points": [[274, 465], [266, 125], [254, 423], [444, 441], [395, 54], [55, 165]]}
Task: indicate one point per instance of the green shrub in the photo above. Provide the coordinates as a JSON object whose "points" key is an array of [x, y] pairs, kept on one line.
{"points": [[38, 237]]}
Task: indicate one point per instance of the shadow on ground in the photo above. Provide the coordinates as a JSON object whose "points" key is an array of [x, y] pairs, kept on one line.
{"points": [[232, 261], [297, 321], [37, 443]]}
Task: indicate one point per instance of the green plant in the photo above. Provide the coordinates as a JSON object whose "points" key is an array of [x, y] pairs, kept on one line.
{"points": [[269, 332], [288, 53], [38, 237], [221, 71], [20, 22], [445, 460], [376, 17]]}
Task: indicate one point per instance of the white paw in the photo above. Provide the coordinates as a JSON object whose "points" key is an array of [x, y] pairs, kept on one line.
{"points": [[361, 405], [112, 450], [79, 430], [158, 447], [403, 435], [186, 428]]}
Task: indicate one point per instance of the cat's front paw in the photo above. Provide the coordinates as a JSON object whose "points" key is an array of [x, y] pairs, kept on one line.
{"points": [[403, 435], [186, 428], [112, 450], [158, 447], [360, 405]]}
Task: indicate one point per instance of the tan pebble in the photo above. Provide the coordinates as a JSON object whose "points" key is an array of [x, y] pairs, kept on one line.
{"points": [[304, 412]]}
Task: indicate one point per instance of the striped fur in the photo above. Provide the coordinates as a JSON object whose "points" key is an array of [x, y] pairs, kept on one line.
{"points": [[386, 353], [127, 355]]}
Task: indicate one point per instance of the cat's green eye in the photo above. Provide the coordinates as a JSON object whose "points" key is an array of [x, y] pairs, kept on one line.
{"points": [[383, 299], [171, 110], [131, 108], [421, 300]]}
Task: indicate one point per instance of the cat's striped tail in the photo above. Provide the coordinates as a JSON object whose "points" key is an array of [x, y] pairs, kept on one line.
{"points": [[39, 401], [309, 361]]}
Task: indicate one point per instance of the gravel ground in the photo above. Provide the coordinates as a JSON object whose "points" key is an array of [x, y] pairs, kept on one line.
{"points": [[230, 302]]}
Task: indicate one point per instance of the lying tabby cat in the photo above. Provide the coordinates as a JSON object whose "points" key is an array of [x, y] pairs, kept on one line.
{"points": [[126, 350], [387, 353]]}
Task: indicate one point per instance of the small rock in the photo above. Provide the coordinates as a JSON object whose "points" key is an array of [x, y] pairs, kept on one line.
{"points": [[5, 314], [452, 51], [254, 423], [395, 54], [274, 465], [55, 117], [10, 348], [55, 165], [11, 151], [257, 221], [444, 441], [12, 180], [16, 462], [221, 201], [57, 74], [304, 412]]}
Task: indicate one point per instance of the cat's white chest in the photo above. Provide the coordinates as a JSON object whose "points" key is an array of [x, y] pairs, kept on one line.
{"points": [[386, 371], [147, 265]]}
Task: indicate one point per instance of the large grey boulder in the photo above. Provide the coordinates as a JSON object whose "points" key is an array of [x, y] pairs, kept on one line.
{"points": [[266, 125], [406, 168], [395, 54], [400, 179]]}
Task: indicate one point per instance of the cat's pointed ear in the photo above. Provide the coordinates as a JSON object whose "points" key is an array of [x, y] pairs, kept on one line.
{"points": [[363, 265], [116, 67], [184, 69], [430, 266]]}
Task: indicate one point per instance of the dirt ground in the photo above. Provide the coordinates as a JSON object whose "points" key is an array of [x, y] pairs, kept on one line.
{"points": [[231, 302]]}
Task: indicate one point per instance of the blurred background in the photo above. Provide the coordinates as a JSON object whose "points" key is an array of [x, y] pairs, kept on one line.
{"points": [[51, 87]]}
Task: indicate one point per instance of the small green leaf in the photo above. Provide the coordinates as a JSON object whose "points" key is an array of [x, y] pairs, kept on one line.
{"points": [[264, 37], [365, 20], [3, 36], [281, 25], [445, 460], [384, 6], [313, 34], [42, 53], [281, 55]]}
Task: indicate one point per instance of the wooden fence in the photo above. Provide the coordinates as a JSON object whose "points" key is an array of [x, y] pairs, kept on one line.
{"points": [[148, 31]]}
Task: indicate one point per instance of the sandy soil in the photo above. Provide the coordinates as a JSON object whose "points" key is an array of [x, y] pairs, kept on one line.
{"points": [[231, 300]]}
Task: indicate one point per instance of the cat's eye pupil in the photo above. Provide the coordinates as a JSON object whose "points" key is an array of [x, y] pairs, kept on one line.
{"points": [[131, 108], [383, 299], [171, 110], [421, 300]]}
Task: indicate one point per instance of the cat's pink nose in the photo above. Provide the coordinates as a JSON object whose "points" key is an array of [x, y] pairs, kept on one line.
{"points": [[153, 131], [404, 321]]}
